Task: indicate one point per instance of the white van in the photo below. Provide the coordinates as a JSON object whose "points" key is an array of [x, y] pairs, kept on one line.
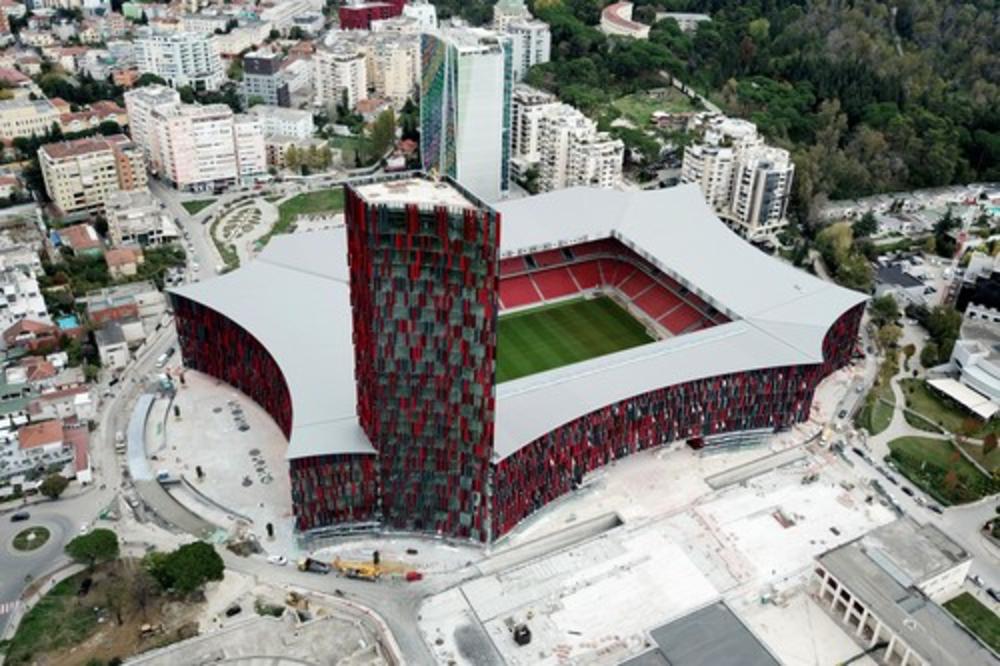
{"points": [[162, 360]]}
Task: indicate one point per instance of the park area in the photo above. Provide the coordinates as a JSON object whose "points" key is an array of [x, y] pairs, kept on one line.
{"points": [[555, 335], [937, 467], [196, 206], [979, 619], [876, 415], [939, 411], [309, 203], [638, 108]]}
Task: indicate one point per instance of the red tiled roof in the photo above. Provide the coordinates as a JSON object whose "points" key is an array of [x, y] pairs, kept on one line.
{"points": [[34, 435], [75, 148], [12, 77], [80, 237], [27, 326], [122, 256]]}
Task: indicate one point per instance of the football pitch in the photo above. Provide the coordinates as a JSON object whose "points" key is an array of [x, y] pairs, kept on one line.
{"points": [[554, 335]]}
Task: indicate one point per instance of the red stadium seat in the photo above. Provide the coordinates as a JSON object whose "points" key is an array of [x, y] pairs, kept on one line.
{"points": [[555, 282], [636, 283], [518, 291], [588, 274], [657, 302], [512, 265], [680, 319], [549, 258]]}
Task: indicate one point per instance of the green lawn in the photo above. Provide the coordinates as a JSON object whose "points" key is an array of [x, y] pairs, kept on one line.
{"points": [[320, 201], [977, 617], [928, 464], [880, 402], [554, 335], [990, 462], [922, 399], [194, 207], [58, 620], [638, 107]]}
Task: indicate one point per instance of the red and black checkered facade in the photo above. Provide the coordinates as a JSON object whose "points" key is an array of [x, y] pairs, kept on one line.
{"points": [[424, 303], [424, 283], [554, 464]]}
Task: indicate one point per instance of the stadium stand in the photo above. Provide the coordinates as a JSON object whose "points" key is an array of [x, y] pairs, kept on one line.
{"points": [[605, 264]]}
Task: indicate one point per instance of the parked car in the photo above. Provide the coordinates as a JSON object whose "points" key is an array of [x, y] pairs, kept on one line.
{"points": [[858, 452], [907, 490], [935, 508], [20, 517], [977, 581], [842, 414], [994, 594], [278, 560]]}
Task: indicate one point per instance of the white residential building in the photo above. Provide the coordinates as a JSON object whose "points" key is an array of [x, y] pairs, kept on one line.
{"points": [[762, 186], [392, 60], [192, 146], [561, 144], [22, 298], [140, 104], [422, 12], [341, 75], [531, 40], [180, 58], [465, 108], [745, 181], [24, 117], [251, 155], [281, 15], [278, 121]]}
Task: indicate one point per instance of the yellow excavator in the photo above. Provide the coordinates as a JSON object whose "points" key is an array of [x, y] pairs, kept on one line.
{"points": [[375, 569]]}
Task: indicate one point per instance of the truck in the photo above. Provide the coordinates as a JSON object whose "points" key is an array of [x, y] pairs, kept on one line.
{"points": [[313, 566]]}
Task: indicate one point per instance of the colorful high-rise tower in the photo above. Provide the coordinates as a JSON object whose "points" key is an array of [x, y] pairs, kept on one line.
{"points": [[423, 280]]}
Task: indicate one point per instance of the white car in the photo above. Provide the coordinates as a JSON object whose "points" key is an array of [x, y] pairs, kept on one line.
{"points": [[278, 560], [84, 528]]}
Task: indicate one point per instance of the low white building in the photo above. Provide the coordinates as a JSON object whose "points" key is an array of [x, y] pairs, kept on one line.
{"points": [[885, 587], [279, 121], [22, 298]]}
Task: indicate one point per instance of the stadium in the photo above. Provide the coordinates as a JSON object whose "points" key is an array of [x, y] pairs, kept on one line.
{"points": [[442, 366]]}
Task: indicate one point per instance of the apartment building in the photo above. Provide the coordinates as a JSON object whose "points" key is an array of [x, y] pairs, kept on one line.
{"points": [[745, 181], [24, 117], [136, 218], [465, 108], [140, 105], [392, 60], [180, 58], [80, 175], [531, 39], [263, 81], [561, 144], [277, 121], [195, 147], [248, 140], [341, 75], [762, 186]]}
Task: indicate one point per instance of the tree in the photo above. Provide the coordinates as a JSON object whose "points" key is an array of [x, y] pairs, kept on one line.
{"points": [[866, 226], [186, 569], [888, 335], [99, 545], [383, 134], [884, 310], [53, 486], [149, 79], [989, 444], [929, 355]]}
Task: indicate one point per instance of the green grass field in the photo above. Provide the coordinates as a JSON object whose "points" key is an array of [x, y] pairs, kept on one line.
{"points": [[554, 335], [936, 466], [978, 618]]}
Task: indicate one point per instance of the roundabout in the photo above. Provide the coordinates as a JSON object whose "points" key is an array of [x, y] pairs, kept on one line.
{"points": [[31, 539]]}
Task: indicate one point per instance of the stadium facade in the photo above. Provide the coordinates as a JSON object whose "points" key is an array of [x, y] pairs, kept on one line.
{"points": [[373, 347]]}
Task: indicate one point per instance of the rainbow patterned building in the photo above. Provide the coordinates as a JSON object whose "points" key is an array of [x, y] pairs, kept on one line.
{"points": [[373, 347]]}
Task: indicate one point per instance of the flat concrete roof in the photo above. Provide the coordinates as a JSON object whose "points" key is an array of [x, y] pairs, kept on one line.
{"points": [[295, 299], [883, 585], [711, 636], [419, 191]]}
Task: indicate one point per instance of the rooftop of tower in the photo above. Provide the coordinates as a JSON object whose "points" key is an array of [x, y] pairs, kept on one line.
{"points": [[419, 190]]}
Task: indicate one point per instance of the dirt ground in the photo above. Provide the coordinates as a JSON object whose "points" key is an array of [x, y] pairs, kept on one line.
{"points": [[107, 621]]}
